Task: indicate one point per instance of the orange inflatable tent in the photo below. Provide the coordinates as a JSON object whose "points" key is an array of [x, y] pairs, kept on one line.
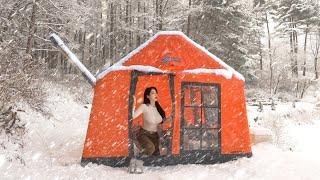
{"points": [[202, 95]]}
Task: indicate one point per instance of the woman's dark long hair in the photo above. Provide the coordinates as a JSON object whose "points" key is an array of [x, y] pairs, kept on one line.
{"points": [[146, 100]]}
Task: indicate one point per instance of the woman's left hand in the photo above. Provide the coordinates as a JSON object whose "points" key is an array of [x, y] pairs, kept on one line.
{"points": [[167, 123], [167, 119]]}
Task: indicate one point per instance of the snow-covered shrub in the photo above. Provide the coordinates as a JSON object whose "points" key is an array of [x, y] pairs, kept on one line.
{"points": [[12, 130], [19, 74], [276, 124], [20, 81], [285, 117]]}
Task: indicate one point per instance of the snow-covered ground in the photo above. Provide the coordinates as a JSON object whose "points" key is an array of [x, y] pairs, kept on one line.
{"points": [[54, 146]]}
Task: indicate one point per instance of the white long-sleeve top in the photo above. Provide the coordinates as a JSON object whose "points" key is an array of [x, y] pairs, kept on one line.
{"points": [[151, 116]]}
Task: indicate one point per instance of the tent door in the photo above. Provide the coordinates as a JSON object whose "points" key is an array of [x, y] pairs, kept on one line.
{"points": [[200, 117], [165, 86]]}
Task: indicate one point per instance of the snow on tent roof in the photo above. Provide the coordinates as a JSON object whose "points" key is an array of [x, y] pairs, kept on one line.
{"points": [[222, 72], [119, 64], [134, 67]]}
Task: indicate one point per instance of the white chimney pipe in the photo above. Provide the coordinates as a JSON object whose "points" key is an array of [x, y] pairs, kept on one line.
{"points": [[85, 72]]}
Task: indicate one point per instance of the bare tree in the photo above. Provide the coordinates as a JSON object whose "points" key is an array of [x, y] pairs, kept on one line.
{"points": [[305, 51], [315, 52], [32, 26], [189, 19], [269, 52]]}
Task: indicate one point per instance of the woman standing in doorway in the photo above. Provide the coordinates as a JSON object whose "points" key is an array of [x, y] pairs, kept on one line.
{"points": [[153, 115]]}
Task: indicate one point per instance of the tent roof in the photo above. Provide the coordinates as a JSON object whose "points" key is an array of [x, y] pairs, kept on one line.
{"points": [[133, 61]]}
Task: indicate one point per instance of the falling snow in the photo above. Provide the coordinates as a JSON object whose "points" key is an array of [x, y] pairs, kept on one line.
{"points": [[57, 152]]}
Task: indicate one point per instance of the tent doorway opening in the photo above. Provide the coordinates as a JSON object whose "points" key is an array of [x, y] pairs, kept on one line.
{"points": [[165, 86]]}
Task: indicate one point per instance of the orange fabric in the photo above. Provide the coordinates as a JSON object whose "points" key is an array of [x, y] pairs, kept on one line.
{"points": [[107, 133], [176, 124], [172, 53], [235, 129]]}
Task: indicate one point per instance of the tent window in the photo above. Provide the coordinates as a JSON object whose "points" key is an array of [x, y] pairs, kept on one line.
{"points": [[201, 114], [210, 117], [192, 117], [210, 96], [193, 96], [193, 139]]}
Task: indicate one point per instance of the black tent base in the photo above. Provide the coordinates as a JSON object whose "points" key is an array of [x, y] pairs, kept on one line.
{"points": [[198, 158]]}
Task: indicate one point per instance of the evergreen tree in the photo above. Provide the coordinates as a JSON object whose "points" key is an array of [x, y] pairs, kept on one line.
{"points": [[225, 28]]}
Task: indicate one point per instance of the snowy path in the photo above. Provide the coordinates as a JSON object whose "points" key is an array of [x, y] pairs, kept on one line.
{"points": [[268, 162], [307, 138]]}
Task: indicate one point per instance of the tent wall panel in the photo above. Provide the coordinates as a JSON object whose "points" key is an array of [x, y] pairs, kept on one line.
{"points": [[235, 129], [107, 133]]}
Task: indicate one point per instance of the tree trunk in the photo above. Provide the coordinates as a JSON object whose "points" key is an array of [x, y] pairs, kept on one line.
{"points": [[154, 19], [145, 20], [99, 62], [130, 25], [112, 43], [316, 53], [295, 52], [83, 45], [304, 88], [260, 54], [159, 12], [138, 42], [316, 67], [160, 15], [305, 52], [127, 33], [277, 84], [189, 19], [32, 27], [269, 53], [156, 14], [291, 51]]}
